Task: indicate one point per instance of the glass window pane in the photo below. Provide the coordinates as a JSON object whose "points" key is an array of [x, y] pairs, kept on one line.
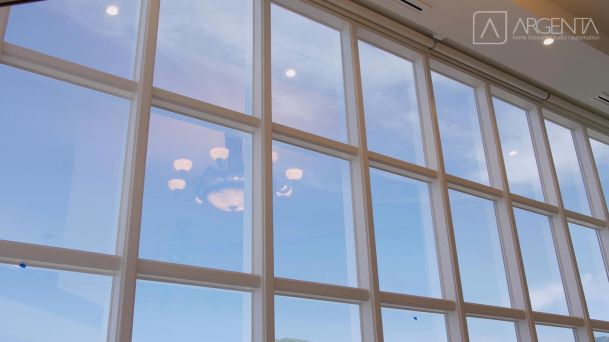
{"points": [[405, 325], [172, 312], [518, 151], [540, 263], [554, 334], [600, 336], [307, 78], [592, 270], [390, 104], [40, 305], [204, 51], [601, 156], [312, 217], [197, 194], [404, 232], [65, 150], [489, 330], [298, 319], [96, 33], [461, 137], [479, 250], [570, 178]]}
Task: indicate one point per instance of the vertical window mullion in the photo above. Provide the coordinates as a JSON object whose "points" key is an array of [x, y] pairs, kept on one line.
{"points": [[123, 291], [562, 239], [505, 214], [590, 173], [456, 322], [263, 306], [367, 268], [4, 13]]}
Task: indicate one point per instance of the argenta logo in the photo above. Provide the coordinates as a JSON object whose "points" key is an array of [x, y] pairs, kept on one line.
{"points": [[491, 28]]}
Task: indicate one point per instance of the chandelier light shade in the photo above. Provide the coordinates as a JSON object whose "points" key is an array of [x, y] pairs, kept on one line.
{"points": [[219, 153], [227, 199], [284, 191], [176, 184], [182, 165], [294, 174]]}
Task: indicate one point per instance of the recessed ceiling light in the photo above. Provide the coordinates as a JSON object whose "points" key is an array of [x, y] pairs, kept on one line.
{"points": [[548, 41], [513, 153], [112, 10], [290, 72]]}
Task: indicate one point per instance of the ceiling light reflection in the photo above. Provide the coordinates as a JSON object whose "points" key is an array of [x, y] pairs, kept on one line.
{"points": [[513, 153], [112, 10], [176, 184], [548, 41], [182, 165], [294, 173], [290, 73], [219, 153]]}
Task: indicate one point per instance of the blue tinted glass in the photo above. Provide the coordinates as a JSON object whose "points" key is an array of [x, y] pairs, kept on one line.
{"points": [[461, 137], [600, 336], [411, 326], [554, 334], [479, 250], [601, 156], [312, 217], [488, 330], [518, 151], [97, 33], [390, 105], [540, 263], [306, 320], [569, 175], [40, 305], [307, 75], [197, 194], [404, 234], [62, 156], [171, 312], [592, 270], [204, 51]]}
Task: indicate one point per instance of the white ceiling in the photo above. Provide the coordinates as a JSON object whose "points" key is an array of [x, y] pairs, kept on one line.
{"points": [[574, 69]]}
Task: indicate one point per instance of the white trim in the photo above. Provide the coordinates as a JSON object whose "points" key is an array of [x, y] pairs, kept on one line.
{"points": [[57, 258], [410, 302], [558, 320], [4, 16], [203, 111], [37, 62], [506, 222], [263, 299], [313, 142], [128, 238], [562, 240], [400, 167], [312, 290], [199, 276], [365, 242], [495, 312], [446, 248], [394, 38]]}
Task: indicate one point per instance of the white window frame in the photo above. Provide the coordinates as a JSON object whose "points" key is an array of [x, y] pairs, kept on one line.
{"points": [[126, 267]]}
